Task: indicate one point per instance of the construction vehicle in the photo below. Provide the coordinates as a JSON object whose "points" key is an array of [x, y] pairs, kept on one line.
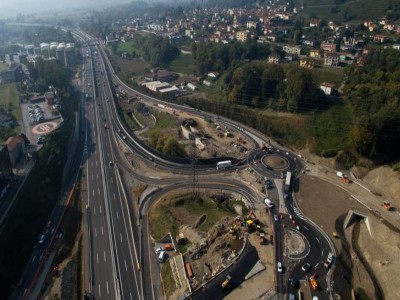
{"points": [[343, 177], [226, 283], [314, 283], [387, 206]]}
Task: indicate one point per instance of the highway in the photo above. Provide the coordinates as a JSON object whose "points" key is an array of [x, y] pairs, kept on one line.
{"points": [[113, 261]]}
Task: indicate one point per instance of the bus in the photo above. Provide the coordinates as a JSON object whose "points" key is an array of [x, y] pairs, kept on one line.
{"points": [[223, 164]]}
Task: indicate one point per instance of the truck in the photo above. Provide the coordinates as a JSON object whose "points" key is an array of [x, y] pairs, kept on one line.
{"points": [[343, 177], [314, 283], [288, 180], [223, 164]]}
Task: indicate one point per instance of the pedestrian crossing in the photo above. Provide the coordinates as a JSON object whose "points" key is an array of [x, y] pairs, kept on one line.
{"points": [[298, 213]]}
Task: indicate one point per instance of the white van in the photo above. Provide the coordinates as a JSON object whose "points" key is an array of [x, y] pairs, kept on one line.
{"points": [[162, 256], [268, 203]]}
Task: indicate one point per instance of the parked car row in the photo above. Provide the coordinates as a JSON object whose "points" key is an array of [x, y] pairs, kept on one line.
{"points": [[36, 113]]}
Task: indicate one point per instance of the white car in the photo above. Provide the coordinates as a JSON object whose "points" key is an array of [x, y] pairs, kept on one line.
{"points": [[159, 250], [279, 268]]}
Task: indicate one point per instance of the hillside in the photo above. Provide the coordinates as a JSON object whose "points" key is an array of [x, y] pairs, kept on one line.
{"points": [[345, 10]]}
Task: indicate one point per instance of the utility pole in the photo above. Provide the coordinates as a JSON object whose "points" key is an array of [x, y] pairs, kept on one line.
{"points": [[195, 179]]}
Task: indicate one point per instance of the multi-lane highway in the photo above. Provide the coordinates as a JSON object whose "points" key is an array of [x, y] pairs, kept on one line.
{"points": [[112, 256]]}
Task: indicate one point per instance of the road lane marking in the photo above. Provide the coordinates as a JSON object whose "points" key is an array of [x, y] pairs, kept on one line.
{"points": [[98, 191], [131, 295], [92, 177], [99, 291], [91, 164], [120, 235], [94, 210], [96, 163], [95, 232], [126, 267], [97, 258], [114, 196], [104, 254], [108, 292], [316, 266], [318, 240], [117, 216], [322, 253], [100, 208], [102, 231], [112, 181], [97, 175], [93, 193], [305, 227]]}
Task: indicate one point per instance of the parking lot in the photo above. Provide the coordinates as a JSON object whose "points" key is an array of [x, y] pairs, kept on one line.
{"points": [[39, 119]]}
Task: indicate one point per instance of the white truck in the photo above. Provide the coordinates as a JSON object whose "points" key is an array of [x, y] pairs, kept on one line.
{"points": [[329, 259], [223, 164]]}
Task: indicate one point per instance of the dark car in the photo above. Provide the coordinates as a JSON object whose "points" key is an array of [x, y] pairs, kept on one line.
{"points": [[306, 267], [294, 282]]}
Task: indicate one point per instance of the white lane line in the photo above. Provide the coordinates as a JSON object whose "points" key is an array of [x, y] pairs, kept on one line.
{"points": [[91, 163], [97, 258], [305, 227], [97, 175], [114, 196], [126, 266], [95, 232], [102, 231], [93, 192], [120, 235], [92, 177], [94, 210], [318, 240], [104, 254], [316, 266], [100, 208], [117, 216], [99, 291], [98, 191], [96, 163], [131, 295], [112, 181], [108, 292], [322, 252]]}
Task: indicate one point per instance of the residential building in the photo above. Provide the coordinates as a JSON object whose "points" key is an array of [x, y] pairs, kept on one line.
{"points": [[274, 59], [306, 63], [16, 148], [213, 75], [191, 86], [327, 88], [328, 46], [331, 59], [315, 53], [379, 38], [292, 49], [242, 36]]}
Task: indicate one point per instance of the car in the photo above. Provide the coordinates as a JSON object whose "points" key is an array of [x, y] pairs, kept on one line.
{"points": [[40, 141], [159, 250], [124, 137], [306, 267], [168, 247], [42, 239], [279, 267], [226, 282], [276, 218], [294, 282], [111, 163], [119, 130], [30, 106]]}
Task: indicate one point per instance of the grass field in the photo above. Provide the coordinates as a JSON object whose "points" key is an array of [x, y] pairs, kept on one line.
{"points": [[3, 66], [9, 99], [184, 64], [350, 10], [128, 47], [168, 214], [329, 74], [164, 121], [168, 279]]}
